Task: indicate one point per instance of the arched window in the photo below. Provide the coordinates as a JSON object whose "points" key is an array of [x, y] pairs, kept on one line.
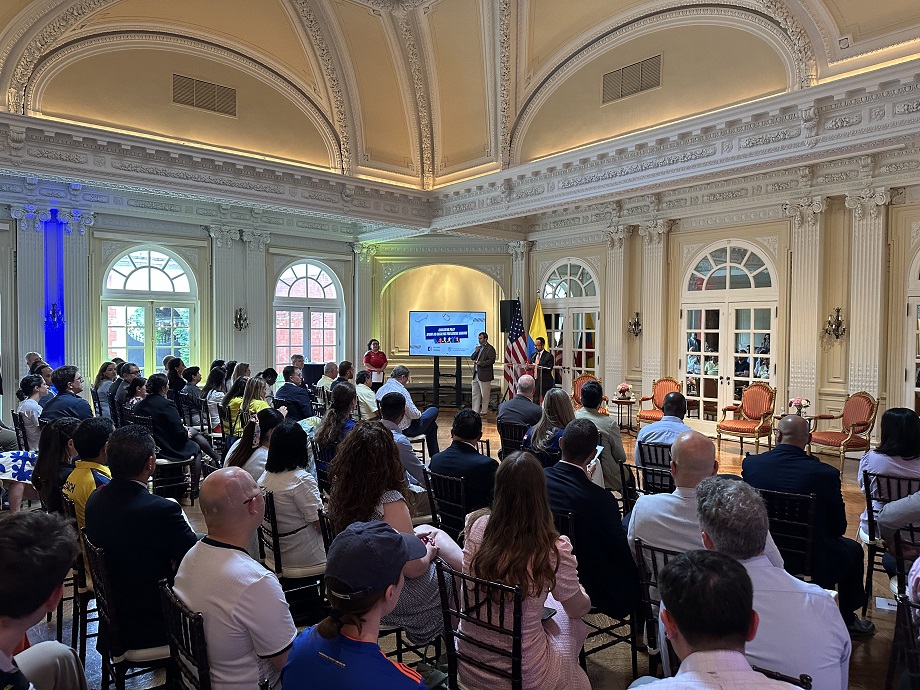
{"points": [[150, 299], [730, 268], [570, 280], [308, 314]]}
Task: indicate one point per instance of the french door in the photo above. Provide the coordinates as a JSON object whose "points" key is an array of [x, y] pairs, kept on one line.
{"points": [[144, 332], [572, 338], [726, 347], [913, 354], [312, 332]]}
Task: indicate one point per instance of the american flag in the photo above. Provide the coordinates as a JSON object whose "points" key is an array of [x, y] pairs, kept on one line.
{"points": [[516, 349]]}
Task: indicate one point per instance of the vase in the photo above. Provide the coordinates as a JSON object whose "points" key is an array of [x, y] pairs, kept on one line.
{"points": [[798, 410]]}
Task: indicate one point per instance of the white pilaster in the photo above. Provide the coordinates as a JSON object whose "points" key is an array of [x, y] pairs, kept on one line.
{"points": [[654, 293], [520, 276], [805, 318], [867, 285], [615, 329], [258, 339], [30, 269], [76, 290], [364, 299], [222, 275]]}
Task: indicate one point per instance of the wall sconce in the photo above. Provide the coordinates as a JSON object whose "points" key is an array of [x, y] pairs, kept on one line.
{"points": [[834, 326], [633, 326], [240, 320], [55, 316]]}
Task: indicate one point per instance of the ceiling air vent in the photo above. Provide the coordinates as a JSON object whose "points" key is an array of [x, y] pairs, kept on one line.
{"points": [[626, 81], [204, 95]]}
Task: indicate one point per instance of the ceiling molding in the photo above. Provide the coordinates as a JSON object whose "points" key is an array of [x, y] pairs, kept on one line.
{"points": [[417, 102]]}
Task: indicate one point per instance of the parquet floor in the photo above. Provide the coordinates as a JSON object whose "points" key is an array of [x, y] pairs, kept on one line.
{"points": [[610, 669]]}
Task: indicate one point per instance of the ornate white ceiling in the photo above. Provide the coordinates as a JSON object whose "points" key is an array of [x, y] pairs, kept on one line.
{"points": [[425, 93]]}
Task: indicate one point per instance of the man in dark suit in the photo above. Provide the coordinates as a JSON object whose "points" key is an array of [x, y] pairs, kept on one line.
{"points": [[144, 536], [463, 459], [542, 367], [836, 560], [483, 358], [605, 565], [296, 398], [521, 409], [67, 403]]}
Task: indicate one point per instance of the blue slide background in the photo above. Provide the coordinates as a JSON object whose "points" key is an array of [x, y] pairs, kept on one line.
{"points": [[425, 326]]}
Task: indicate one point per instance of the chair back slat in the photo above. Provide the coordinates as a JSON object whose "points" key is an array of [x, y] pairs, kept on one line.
{"points": [[481, 606], [269, 537], [22, 440], [97, 405], [661, 388], [511, 435], [859, 413], [105, 604], [906, 551], [114, 408], [881, 489], [656, 467], [565, 523], [187, 645], [322, 457], [326, 528], [792, 526], [448, 504]]}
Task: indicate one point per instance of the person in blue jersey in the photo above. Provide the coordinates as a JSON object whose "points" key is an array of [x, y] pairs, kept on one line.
{"points": [[364, 576]]}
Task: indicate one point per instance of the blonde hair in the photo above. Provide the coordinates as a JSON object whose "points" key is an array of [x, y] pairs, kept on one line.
{"points": [[557, 413], [256, 388]]}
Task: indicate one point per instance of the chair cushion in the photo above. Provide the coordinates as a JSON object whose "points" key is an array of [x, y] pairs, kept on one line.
{"points": [[744, 426], [836, 438], [141, 656], [296, 573], [650, 415]]}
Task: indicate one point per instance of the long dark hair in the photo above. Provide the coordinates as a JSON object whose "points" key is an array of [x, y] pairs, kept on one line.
{"points": [[28, 385], [243, 449], [900, 433], [176, 382], [216, 380], [52, 455], [288, 449], [329, 432]]}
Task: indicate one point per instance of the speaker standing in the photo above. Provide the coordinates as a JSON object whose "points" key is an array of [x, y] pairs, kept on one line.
{"points": [[483, 358]]}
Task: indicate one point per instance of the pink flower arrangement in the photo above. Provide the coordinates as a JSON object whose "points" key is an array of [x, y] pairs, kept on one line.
{"points": [[624, 388], [801, 403]]}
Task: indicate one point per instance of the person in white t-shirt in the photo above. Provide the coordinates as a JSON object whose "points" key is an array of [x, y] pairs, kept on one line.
{"points": [[247, 623]]}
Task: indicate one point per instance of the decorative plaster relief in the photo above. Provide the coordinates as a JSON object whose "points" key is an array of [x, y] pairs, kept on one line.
{"points": [[873, 198], [688, 251], [30, 217], [257, 239]]}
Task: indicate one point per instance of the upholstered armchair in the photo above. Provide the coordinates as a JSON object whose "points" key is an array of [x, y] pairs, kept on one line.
{"points": [[660, 388], [857, 420], [753, 418], [576, 392]]}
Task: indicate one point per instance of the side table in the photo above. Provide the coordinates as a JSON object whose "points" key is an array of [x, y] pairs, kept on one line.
{"points": [[627, 405]]}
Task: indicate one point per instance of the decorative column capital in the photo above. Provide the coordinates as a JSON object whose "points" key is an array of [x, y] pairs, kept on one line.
{"points": [[30, 217], [616, 237], [17, 139], [223, 233], [257, 239], [364, 251], [77, 220], [873, 198], [805, 210], [519, 249], [654, 230]]}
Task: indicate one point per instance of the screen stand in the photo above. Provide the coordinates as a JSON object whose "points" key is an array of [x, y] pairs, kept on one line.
{"points": [[458, 382]]}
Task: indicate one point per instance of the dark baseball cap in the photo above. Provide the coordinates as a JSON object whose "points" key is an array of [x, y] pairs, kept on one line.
{"points": [[367, 557]]}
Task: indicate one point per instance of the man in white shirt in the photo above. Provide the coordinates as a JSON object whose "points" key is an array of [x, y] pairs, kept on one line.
{"points": [[801, 629], [709, 616], [670, 426], [247, 623], [366, 399], [414, 422]]}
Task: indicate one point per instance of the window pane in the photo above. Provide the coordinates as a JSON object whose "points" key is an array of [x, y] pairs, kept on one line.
{"points": [[316, 337], [314, 290], [694, 318], [283, 336], [316, 319], [742, 319], [139, 280], [719, 256], [160, 282], [762, 319], [737, 255], [182, 284], [696, 283], [296, 338], [753, 262], [762, 279], [117, 316], [115, 281], [704, 266], [739, 279], [282, 319], [296, 319], [716, 280], [299, 289], [329, 337]]}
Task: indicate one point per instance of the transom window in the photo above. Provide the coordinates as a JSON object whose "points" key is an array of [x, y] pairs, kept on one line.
{"points": [[730, 268], [308, 314], [570, 280], [306, 280], [148, 270]]}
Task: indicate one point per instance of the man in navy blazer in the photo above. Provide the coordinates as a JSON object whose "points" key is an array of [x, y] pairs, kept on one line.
{"points": [[606, 567], [463, 459], [144, 537], [836, 560], [67, 403], [296, 398]]}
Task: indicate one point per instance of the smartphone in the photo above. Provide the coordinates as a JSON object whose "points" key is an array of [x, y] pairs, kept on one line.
{"points": [[547, 613]]}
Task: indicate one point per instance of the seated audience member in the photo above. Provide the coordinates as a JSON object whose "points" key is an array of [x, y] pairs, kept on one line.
{"points": [[31, 389], [543, 438], [67, 403], [129, 372], [605, 564], [392, 410], [463, 459], [103, 382], [364, 581], [709, 617], [669, 521], [241, 370], [166, 360], [135, 392], [515, 543], [229, 367], [247, 623], [338, 421], [91, 471], [213, 394], [251, 451], [240, 409], [175, 369], [346, 371], [56, 460], [31, 358], [298, 361], [296, 398], [669, 427], [330, 371], [297, 499], [897, 514], [368, 483], [800, 630], [613, 453], [119, 380], [37, 551], [270, 376], [897, 455], [192, 376], [836, 560], [144, 536], [218, 364], [45, 371], [413, 422], [521, 409], [367, 402]]}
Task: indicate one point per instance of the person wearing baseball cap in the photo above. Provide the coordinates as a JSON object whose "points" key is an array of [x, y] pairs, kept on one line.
{"points": [[364, 577]]}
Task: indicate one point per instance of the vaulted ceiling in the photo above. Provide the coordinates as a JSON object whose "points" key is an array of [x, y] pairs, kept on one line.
{"points": [[425, 92]]}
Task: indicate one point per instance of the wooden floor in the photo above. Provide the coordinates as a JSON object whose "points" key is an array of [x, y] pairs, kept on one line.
{"points": [[610, 669]]}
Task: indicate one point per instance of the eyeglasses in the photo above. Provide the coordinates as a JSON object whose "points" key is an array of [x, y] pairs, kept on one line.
{"points": [[156, 450], [261, 493]]}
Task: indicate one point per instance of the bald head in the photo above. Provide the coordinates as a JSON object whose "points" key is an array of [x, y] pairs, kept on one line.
{"points": [[674, 405], [693, 458], [223, 496], [793, 430], [526, 385]]}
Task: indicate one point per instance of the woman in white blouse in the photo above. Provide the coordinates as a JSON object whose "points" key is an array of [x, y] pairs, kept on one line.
{"points": [[215, 388], [251, 451], [31, 389]]}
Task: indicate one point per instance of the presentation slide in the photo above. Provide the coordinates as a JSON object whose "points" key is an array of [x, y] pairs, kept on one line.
{"points": [[445, 333]]}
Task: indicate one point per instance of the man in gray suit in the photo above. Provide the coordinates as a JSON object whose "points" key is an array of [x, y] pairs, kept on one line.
{"points": [[483, 358]]}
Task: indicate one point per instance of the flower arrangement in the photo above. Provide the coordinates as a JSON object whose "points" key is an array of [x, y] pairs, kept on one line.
{"points": [[800, 404], [625, 389]]}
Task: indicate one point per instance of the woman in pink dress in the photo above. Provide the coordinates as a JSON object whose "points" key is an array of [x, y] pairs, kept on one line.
{"points": [[503, 546]]}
